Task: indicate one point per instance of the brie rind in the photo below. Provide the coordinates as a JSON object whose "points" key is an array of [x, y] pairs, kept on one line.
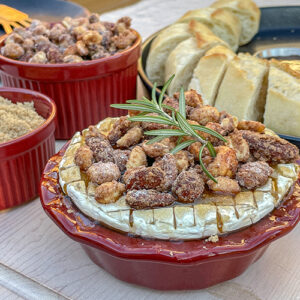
{"points": [[213, 215]]}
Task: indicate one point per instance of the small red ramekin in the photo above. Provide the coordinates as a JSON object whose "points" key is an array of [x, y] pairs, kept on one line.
{"points": [[22, 160], [82, 91]]}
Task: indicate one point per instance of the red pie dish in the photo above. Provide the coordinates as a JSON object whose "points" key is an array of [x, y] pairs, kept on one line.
{"points": [[82, 91], [22, 159], [166, 265]]}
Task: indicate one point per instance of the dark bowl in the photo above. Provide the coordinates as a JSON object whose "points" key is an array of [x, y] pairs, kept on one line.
{"points": [[165, 265]]}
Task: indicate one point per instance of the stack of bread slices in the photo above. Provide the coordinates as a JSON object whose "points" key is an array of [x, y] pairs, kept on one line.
{"points": [[200, 50]]}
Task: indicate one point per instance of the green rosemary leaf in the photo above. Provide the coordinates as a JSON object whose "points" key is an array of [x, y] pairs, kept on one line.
{"points": [[211, 149], [209, 131], [202, 165], [135, 107], [153, 94], [142, 102], [146, 99], [165, 132], [168, 107], [184, 125], [179, 140], [182, 103], [182, 146], [154, 119], [164, 89], [156, 139]]}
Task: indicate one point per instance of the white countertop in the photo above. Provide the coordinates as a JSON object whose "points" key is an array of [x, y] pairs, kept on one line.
{"points": [[38, 261]]}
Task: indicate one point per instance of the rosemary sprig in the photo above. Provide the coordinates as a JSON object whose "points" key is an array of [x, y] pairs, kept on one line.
{"points": [[177, 120]]}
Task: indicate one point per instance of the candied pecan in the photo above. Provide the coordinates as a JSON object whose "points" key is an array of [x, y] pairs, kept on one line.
{"points": [[124, 39], [23, 32], [56, 31], [251, 125], [172, 103], [214, 140], [136, 158], [78, 31], [121, 158], [153, 126], [94, 132], [168, 164], [109, 192], [120, 127], [12, 50], [228, 122], [101, 148], [84, 157], [145, 178], [155, 149], [239, 145], [225, 163], [70, 50], [103, 172], [14, 38], [123, 23], [188, 186], [91, 37], [270, 148], [94, 18], [65, 40], [81, 49], [131, 137], [28, 44], [184, 160], [41, 43], [40, 29], [192, 98], [72, 59], [39, 58], [194, 149], [253, 174], [204, 114], [54, 56], [225, 185], [141, 199]]}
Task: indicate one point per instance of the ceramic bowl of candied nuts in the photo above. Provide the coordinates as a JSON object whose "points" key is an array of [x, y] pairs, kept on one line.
{"points": [[83, 64]]}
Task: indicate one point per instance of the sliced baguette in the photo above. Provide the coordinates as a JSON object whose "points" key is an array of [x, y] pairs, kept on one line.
{"points": [[282, 112], [160, 49], [209, 72], [248, 14], [184, 58], [243, 89], [223, 23]]}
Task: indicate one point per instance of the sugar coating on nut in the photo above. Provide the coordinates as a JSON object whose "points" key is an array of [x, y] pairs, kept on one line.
{"points": [[109, 192], [103, 172]]}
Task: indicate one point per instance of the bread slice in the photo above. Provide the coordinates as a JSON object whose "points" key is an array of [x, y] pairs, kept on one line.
{"points": [[184, 58], [243, 89], [223, 23], [282, 112], [248, 14], [160, 49], [209, 72]]}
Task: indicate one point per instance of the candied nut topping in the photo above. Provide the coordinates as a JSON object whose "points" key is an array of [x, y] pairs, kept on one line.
{"points": [[120, 160], [140, 199], [70, 41]]}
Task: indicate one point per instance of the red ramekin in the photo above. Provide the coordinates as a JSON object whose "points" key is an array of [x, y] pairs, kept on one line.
{"points": [[166, 265], [82, 91], [23, 159]]}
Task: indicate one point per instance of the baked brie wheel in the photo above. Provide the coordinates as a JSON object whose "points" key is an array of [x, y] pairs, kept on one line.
{"points": [[113, 176]]}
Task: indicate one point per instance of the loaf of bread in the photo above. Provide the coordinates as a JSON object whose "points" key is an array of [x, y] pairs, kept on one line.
{"points": [[248, 14], [184, 58], [282, 111], [243, 89], [222, 22], [160, 49], [209, 72]]}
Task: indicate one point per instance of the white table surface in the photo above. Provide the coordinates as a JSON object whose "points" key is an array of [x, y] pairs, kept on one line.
{"points": [[38, 261]]}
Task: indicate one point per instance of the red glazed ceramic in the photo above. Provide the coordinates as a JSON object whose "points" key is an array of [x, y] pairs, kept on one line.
{"points": [[22, 160], [82, 91], [166, 265]]}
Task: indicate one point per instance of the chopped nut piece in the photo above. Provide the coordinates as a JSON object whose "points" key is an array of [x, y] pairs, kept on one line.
{"points": [[188, 186], [251, 125], [137, 158], [225, 163], [145, 178], [84, 157], [131, 137], [141, 199], [155, 149], [253, 174], [225, 185], [109, 192], [103, 172], [168, 164]]}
